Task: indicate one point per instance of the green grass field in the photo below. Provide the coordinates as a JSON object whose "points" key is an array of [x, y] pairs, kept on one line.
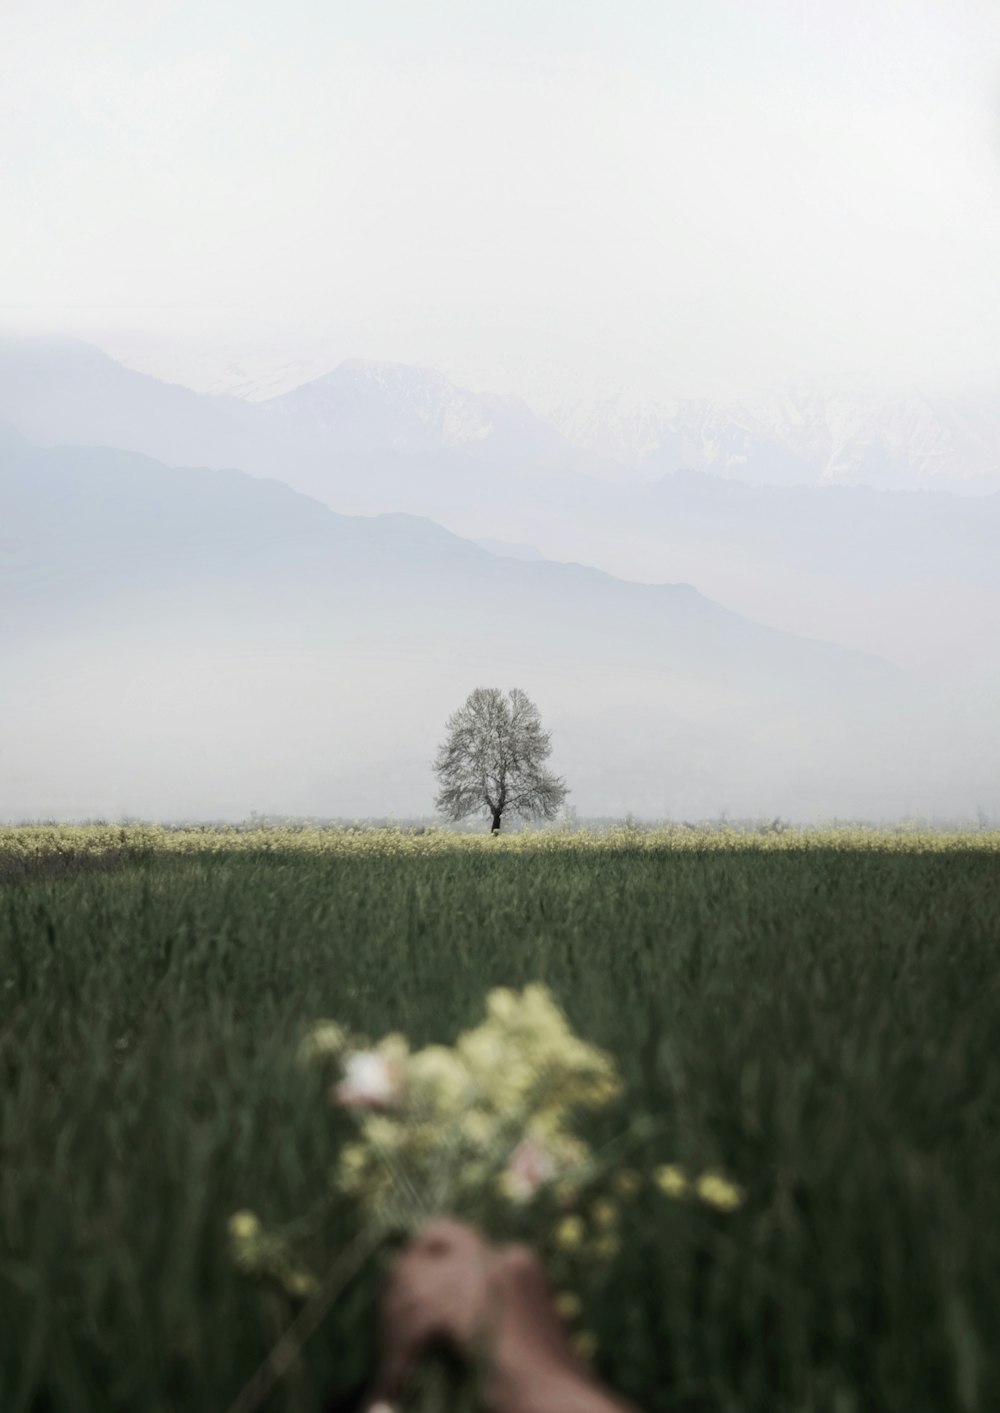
{"points": [[816, 1015]]}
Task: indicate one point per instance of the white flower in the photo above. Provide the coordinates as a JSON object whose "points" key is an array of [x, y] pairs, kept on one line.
{"points": [[371, 1081]]}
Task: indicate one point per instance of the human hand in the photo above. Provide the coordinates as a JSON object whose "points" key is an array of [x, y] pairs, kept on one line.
{"points": [[439, 1291], [450, 1286]]}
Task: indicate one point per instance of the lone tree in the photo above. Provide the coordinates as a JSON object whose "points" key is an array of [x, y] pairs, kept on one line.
{"points": [[493, 759]]}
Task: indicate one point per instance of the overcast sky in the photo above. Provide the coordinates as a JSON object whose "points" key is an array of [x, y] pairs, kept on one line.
{"points": [[543, 196]]}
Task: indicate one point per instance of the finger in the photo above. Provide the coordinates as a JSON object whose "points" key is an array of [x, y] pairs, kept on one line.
{"points": [[521, 1275], [402, 1333], [437, 1289]]}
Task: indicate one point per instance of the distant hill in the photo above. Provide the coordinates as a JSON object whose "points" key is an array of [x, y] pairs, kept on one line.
{"points": [[62, 390], [905, 573], [365, 437], [507, 550], [911, 575], [186, 641]]}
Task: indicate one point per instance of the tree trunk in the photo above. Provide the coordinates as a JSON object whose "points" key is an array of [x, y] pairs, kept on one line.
{"points": [[496, 822]]}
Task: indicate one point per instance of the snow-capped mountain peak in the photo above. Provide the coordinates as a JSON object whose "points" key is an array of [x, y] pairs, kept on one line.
{"points": [[805, 434], [408, 408]]}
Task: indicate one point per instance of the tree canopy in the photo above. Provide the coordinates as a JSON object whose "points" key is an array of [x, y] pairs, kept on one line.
{"points": [[492, 760]]}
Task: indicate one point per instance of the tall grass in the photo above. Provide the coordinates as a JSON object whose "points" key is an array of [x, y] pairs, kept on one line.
{"points": [[817, 1015]]}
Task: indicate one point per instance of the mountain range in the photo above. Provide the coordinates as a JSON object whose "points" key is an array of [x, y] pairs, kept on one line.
{"points": [[64, 390], [799, 436], [201, 642], [895, 568]]}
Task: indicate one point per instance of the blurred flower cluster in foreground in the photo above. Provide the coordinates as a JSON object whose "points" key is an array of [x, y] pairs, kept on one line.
{"points": [[450, 1128], [483, 1130]]}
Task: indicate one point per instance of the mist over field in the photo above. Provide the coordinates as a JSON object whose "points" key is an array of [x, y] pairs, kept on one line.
{"points": [[640, 366]]}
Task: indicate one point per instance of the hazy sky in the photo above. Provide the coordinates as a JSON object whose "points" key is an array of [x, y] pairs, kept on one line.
{"points": [[540, 195]]}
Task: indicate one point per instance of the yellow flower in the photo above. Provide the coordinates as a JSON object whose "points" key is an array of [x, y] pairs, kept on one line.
{"points": [[514, 1084], [353, 1159], [394, 1047], [244, 1226], [327, 1039], [719, 1192], [585, 1344], [568, 1304], [481, 1050], [384, 1135], [607, 1246], [628, 1182], [569, 1233], [438, 1077], [565, 1193], [673, 1180], [301, 1284], [479, 1130], [502, 1004], [605, 1213]]}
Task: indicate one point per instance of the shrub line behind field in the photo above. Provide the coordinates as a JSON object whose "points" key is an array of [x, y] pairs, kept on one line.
{"points": [[88, 845]]}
